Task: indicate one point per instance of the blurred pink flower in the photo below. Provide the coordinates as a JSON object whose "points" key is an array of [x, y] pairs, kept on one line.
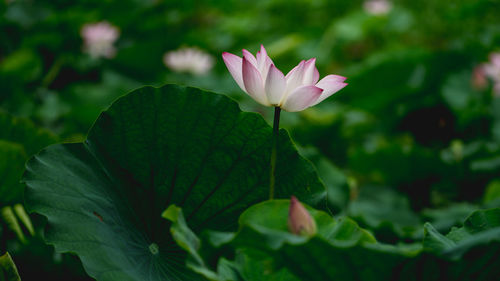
{"points": [[492, 68], [98, 39], [266, 84], [189, 60], [300, 221], [492, 71], [377, 7]]}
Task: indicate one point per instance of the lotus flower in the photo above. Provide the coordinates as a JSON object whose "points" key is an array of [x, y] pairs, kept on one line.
{"points": [[377, 7], [299, 220], [492, 70], [99, 39], [266, 84], [191, 60]]}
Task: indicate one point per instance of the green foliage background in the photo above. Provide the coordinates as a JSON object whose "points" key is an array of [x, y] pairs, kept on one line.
{"points": [[410, 140]]}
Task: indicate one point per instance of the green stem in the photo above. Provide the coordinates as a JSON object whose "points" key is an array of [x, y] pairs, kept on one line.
{"points": [[274, 151], [53, 72]]}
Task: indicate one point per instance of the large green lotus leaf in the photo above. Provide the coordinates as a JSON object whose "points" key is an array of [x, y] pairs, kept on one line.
{"points": [[152, 148]]}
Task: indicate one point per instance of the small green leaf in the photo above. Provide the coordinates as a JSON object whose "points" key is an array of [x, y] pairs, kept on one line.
{"points": [[435, 240], [492, 193], [8, 269], [10, 219], [24, 218], [181, 233]]}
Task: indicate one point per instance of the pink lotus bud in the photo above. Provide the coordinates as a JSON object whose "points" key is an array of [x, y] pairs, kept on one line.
{"points": [[98, 39], [299, 89], [189, 60], [299, 220]]}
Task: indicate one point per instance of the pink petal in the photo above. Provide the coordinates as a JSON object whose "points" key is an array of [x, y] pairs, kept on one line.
{"points": [[294, 70], [250, 58], [253, 82], [315, 75], [275, 85], [234, 65], [495, 59], [302, 98], [330, 85], [295, 77], [263, 61], [261, 56], [311, 74]]}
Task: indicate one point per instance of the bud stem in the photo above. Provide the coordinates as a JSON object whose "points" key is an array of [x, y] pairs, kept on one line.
{"points": [[274, 151]]}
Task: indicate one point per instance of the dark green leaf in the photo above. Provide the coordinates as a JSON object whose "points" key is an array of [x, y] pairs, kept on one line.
{"points": [[339, 251], [381, 207], [480, 228], [444, 218], [341, 255], [19, 139], [12, 158]]}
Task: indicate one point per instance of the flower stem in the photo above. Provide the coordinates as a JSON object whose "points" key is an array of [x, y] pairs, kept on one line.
{"points": [[274, 151], [53, 72]]}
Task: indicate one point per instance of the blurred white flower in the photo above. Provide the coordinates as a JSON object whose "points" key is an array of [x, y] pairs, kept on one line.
{"points": [[98, 39], [377, 7], [191, 60], [492, 71]]}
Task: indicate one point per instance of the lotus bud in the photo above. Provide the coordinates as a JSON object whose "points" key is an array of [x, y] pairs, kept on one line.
{"points": [[300, 221]]}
